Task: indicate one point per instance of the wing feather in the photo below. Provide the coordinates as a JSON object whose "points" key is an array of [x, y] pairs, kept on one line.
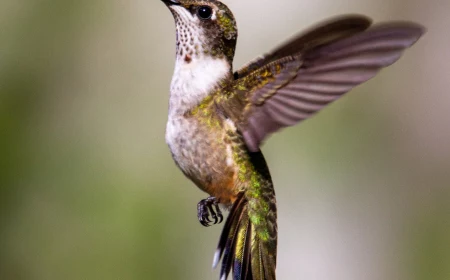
{"points": [[303, 76], [339, 27]]}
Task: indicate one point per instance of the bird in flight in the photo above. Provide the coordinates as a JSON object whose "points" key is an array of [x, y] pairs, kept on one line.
{"points": [[218, 118]]}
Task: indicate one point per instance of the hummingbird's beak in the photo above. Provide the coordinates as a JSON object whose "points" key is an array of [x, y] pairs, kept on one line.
{"points": [[171, 2]]}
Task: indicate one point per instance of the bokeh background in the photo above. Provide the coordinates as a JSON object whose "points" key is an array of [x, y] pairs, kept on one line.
{"points": [[88, 189]]}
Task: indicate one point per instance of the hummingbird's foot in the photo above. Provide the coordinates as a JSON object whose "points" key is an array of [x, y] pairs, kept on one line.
{"points": [[207, 206]]}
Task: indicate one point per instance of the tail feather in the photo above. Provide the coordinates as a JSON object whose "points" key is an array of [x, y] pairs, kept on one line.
{"points": [[230, 247], [268, 260], [257, 264], [242, 240], [263, 260], [247, 272], [242, 247], [227, 229]]}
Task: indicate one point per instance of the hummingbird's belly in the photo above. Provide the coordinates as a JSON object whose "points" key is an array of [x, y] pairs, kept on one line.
{"points": [[204, 153]]}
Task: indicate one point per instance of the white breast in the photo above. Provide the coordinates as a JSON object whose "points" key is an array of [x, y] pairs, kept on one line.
{"points": [[193, 81]]}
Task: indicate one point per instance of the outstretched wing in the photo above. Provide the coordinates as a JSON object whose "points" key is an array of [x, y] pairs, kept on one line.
{"points": [[323, 33], [288, 86]]}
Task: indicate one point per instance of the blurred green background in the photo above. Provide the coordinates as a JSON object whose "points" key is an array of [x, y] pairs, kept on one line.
{"points": [[88, 189]]}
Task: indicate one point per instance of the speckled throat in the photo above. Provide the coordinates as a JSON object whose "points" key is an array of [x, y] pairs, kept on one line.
{"points": [[204, 55]]}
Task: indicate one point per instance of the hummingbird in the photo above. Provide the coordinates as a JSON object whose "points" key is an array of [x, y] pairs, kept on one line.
{"points": [[218, 118]]}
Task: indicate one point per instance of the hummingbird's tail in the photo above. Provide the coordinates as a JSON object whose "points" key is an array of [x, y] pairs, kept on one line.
{"points": [[248, 243]]}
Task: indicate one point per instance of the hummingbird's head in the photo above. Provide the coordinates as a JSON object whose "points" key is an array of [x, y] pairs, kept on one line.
{"points": [[205, 28]]}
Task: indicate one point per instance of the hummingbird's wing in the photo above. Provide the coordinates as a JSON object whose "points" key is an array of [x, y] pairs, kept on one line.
{"points": [[325, 32], [287, 87]]}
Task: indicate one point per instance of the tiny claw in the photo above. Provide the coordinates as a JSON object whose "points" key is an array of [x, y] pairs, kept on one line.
{"points": [[213, 214], [206, 216], [204, 221], [202, 214], [219, 214], [206, 207]]}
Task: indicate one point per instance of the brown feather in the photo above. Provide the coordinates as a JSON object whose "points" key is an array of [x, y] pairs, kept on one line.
{"points": [[339, 27], [301, 77]]}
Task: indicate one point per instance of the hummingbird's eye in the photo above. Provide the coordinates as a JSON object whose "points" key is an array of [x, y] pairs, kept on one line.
{"points": [[204, 12]]}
